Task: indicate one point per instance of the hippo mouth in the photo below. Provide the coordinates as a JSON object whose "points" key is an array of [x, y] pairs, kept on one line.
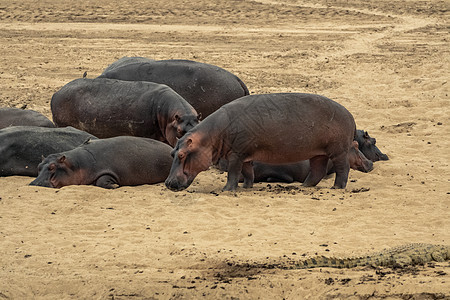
{"points": [[40, 182], [177, 185], [382, 156], [366, 168]]}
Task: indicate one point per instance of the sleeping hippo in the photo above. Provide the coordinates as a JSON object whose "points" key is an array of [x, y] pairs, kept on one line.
{"points": [[23, 147], [126, 61], [206, 87], [11, 116], [271, 128], [107, 163], [109, 107]]}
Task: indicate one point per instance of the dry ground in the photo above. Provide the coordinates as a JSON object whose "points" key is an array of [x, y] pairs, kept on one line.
{"points": [[386, 61]]}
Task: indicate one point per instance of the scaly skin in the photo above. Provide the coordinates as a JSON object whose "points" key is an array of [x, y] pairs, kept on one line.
{"points": [[397, 257]]}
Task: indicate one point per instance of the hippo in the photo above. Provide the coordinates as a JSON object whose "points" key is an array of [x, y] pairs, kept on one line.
{"points": [[107, 163], [206, 87], [368, 147], [298, 171], [125, 61], [23, 147], [109, 107], [11, 116], [271, 128]]}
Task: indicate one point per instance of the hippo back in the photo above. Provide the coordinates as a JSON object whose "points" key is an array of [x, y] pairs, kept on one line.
{"points": [[206, 87], [124, 61], [10, 116], [23, 147]]}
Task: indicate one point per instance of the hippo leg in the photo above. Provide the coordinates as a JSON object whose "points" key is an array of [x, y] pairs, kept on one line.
{"points": [[234, 170], [342, 167], [249, 175], [318, 166], [107, 182]]}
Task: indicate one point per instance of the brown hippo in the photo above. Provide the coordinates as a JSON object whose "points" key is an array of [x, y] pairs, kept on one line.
{"points": [[271, 128], [206, 87], [11, 116], [23, 147], [107, 163], [109, 107], [264, 172], [368, 147]]}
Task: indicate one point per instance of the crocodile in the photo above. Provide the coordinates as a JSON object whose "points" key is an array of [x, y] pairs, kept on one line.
{"points": [[396, 257]]}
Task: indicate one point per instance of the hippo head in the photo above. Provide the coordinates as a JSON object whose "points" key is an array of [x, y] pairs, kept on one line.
{"points": [[357, 159], [179, 126], [368, 147], [191, 155], [56, 171]]}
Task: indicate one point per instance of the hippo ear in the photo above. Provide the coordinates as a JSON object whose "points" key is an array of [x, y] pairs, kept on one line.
{"points": [[188, 142], [62, 159], [366, 134], [87, 141], [42, 157], [199, 116]]}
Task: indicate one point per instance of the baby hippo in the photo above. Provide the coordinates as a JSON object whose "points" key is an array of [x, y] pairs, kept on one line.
{"points": [[107, 163]]}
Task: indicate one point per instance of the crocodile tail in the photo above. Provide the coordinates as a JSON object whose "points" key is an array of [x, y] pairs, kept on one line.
{"points": [[323, 261]]}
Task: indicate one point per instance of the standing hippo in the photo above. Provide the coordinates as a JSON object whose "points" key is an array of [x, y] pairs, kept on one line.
{"points": [[109, 107], [11, 116], [368, 147], [271, 128], [205, 87], [107, 163], [23, 147], [264, 172]]}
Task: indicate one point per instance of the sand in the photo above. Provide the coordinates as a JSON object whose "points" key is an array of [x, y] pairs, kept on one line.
{"points": [[386, 61]]}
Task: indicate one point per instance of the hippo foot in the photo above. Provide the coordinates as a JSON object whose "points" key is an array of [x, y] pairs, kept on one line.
{"points": [[338, 187], [305, 184], [247, 185], [228, 189]]}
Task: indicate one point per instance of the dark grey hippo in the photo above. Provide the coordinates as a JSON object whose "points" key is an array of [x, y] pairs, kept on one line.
{"points": [[107, 163], [125, 61], [272, 128], [109, 107], [368, 147], [206, 87], [22, 148], [11, 116]]}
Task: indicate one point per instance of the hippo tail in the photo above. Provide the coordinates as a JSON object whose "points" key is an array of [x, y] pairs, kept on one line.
{"points": [[244, 87]]}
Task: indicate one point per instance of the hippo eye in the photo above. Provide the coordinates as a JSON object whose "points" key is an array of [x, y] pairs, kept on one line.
{"points": [[181, 155], [52, 167]]}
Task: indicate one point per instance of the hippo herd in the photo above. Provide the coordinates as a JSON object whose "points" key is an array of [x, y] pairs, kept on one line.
{"points": [[145, 121]]}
